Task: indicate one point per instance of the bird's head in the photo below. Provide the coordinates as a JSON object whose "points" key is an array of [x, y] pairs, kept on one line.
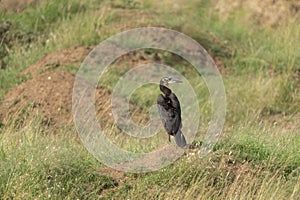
{"points": [[169, 79]]}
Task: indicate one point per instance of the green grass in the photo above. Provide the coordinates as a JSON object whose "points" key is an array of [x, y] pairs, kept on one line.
{"points": [[43, 17], [37, 165], [58, 166], [257, 156]]}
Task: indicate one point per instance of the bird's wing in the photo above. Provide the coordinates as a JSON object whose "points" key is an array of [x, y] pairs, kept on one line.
{"points": [[175, 122], [177, 113], [163, 112], [175, 102], [169, 115]]}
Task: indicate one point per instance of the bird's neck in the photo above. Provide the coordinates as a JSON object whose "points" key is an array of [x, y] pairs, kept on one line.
{"points": [[167, 91]]}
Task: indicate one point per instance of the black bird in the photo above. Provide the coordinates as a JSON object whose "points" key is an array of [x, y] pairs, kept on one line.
{"points": [[170, 111]]}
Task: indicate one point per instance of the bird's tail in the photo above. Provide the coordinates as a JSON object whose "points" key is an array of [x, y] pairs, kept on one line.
{"points": [[180, 139]]}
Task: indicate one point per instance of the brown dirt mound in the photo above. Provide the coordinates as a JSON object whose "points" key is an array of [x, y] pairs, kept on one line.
{"points": [[72, 55], [49, 92], [49, 95]]}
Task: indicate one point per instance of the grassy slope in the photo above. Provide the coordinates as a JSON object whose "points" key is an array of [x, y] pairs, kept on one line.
{"points": [[252, 160]]}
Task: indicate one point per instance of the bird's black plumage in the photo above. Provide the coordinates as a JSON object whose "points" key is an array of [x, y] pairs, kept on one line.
{"points": [[170, 111]]}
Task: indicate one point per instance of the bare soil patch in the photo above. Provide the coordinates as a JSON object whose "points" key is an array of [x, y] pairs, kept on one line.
{"points": [[49, 92], [16, 5], [49, 95], [266, 13]]}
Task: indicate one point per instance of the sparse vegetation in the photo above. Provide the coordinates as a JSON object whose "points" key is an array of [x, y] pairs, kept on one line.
{"points": [[257, 156]]}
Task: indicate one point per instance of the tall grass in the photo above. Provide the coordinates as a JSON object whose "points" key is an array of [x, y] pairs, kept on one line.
{"points": [[36, 165]]}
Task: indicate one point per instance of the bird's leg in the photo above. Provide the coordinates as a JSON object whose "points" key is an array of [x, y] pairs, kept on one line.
{"points": [[169, 139]]}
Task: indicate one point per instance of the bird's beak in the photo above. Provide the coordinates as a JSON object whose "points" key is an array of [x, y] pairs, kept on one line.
{"points": [[174, 80]]}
